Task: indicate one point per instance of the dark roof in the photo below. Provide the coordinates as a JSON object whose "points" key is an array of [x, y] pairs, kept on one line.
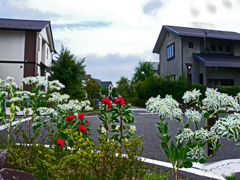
{"points": [[24, 25], [193, 32], [106, 83], [218, 60], [196, 32]]}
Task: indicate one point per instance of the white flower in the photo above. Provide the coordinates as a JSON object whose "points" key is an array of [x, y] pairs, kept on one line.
{"points": [[117, 127], [3, 93], [103, 130], [201, 134], [195, 152], [186, 135], [191, 96], [132, 128], [9, 79], [193, 116], [15, 99]]}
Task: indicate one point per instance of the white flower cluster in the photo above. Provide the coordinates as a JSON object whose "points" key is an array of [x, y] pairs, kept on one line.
{"points": [[3, 93], [215, 100], [9, 78], [45, 110], [1, 81], [201, 134], [58, 98], [117, 127], [132, 128], [75, 106], [195, 152], [15, 99], [103, 130], [193, 116], [228, 126], [56, 85], [166, 107], [42, 81], [24, 95], [191, 96], [186, 135]]}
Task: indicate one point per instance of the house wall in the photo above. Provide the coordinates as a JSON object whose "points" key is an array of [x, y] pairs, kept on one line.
{"points": [[188, 57], [225, 73], [236, 49], [12, 46], [173, 66]]}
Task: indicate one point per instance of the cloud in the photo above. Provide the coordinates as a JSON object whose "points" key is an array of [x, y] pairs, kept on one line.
{"points": [[152, 6], [227, 4], [94, 24], [9, 10]]}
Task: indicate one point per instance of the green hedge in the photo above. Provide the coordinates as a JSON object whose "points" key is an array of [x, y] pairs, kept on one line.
{"points": [[130, 99], [140, 102], [155, 85]]}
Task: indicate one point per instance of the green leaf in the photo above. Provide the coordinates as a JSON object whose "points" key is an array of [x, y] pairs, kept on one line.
{"points": [[187, 164], [187, 126], [202, 160], [220, 112], [218, 146], [166, 128], [165, 146], [206, 115]]}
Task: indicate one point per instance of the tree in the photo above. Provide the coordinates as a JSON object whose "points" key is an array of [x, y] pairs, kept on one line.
{"points": [[146, 67], [123, 86], [105, 91], [69, 71], [114, 92], [93, 88]]}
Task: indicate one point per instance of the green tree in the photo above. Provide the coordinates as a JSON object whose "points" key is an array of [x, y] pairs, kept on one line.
{"points": [[146, 67], [93, 88], [114, 92], [69, 71], [123, 86], [105, 91]]}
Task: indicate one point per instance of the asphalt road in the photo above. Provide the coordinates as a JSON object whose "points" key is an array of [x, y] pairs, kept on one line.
{"points": [[145, 124]]}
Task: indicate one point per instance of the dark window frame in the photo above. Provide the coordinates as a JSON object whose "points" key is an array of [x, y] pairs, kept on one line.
{"points": [[228, 49], [213, 48], [220, 48], [190, 45], [39, 40], [170, 50], [47, 53]]}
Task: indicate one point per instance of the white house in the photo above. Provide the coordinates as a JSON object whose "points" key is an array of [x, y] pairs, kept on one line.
{"points": [[26, 48]]}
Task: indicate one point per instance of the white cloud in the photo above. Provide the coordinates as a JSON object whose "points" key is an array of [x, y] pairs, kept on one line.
{"points": [[131, 30]]}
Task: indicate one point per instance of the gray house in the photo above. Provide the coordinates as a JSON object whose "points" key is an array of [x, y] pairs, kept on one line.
{"points": [[214, 55]]}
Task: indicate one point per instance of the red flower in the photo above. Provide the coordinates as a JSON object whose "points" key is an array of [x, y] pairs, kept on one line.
{"points": [[119, 100], [106, 101], [86, 121], [69, 117], [81, 116], [60, 142], [82, 128]]}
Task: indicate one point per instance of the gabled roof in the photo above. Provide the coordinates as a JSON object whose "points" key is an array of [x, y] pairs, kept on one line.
{"points": [[218, 60], [106, 83], [194, 32], [24, 25], [27, 25]]}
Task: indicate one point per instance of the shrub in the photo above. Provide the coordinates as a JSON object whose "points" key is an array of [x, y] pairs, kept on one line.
{"points": [[155, 85], [130, 99], [140, 102]]}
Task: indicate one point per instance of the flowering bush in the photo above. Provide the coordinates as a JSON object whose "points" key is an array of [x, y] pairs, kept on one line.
{"points": [[189, 143], [109, 115]]}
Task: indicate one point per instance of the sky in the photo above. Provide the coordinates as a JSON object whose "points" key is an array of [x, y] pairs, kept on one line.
{"points": [[114, 35]]}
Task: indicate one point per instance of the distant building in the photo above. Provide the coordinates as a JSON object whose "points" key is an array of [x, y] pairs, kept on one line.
{"points": [[214, 55], [26, 48]]}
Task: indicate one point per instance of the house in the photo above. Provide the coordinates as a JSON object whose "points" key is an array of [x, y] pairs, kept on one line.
{"points": [[109, 85], [26, 48], [214, 55]]}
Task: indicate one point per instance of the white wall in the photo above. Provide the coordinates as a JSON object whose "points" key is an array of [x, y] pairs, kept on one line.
{"points": [[13, 70], [12, 45]]}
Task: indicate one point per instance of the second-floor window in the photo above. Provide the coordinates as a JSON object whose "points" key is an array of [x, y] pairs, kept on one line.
{"points": [[170, 51]]}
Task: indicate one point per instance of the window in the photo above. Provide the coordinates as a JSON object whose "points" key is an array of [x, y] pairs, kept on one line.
{"points": [[47, 53], [213, 48], [171, 77], [227, 82], [220, 48], [39, 44], [170, 51], [190, 44], [227, 49]]}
